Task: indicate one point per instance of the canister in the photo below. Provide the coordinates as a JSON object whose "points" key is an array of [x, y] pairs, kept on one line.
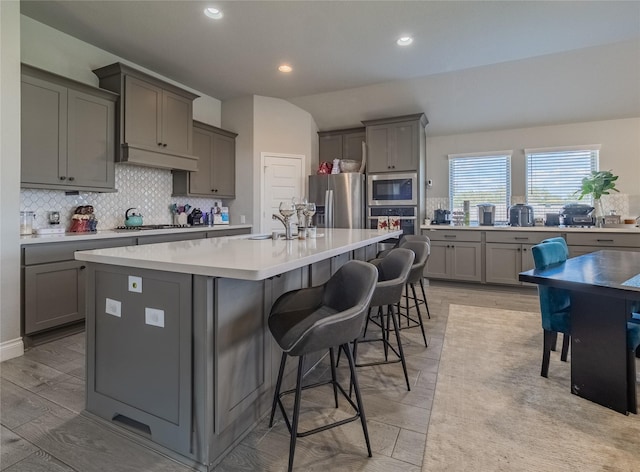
{"points": [[26, 222]]}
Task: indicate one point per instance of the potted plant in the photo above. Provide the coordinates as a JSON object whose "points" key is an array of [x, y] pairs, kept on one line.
{"points": [[597, 184]]}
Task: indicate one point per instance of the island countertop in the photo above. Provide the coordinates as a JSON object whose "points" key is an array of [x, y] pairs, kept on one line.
{"points": [[237, 257]]}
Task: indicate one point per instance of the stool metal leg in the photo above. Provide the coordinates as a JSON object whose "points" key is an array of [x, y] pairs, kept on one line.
{"points": [[415, 298], [354, 381], [276, 395], [296, 414], [424, 297], [400, 350], [332, 361]]}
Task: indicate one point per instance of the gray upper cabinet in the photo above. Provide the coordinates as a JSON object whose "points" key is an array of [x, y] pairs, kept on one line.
{"points": [[215, 149], [341, 144], [67, 133], [396, 144], [155, 124]]}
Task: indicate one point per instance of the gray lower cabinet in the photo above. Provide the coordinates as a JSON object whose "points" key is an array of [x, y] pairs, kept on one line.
{"points": [[455, 255], [67, 133], [215, 149], [53, 284], [507, 253], [584, 243]]}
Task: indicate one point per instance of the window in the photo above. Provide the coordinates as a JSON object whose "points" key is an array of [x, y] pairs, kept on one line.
{"points": [[555, 174], [480, 178]]}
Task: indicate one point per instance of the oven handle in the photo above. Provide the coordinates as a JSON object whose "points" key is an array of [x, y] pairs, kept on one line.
{"points": [[398, 217]]}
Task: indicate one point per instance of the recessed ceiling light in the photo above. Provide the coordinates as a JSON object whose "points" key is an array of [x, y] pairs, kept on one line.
{"points": [[285, 68], [404, 41], [214, 13]]}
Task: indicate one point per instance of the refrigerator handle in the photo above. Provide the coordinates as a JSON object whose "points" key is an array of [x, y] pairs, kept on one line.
{"points": [[329, 209]]}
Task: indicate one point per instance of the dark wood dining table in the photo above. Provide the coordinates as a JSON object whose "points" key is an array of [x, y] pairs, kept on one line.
{"points": [[604, 287]]}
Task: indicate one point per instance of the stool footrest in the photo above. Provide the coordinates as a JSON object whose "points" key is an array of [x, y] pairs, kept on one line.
{"points": [[323, 427]]}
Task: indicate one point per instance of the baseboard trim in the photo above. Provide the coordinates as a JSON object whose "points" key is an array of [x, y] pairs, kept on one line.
{"points": [[11, 349]]}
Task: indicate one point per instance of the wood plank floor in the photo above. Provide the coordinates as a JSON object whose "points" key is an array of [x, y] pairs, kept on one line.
{"points": [[42, 395]]}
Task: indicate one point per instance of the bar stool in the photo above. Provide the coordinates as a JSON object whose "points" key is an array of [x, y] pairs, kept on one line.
{"points": [[393, 271], [421, 250], [317, 318]]}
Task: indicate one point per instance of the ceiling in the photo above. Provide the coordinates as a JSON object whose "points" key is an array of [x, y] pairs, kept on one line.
{"points": [[331, 45]]}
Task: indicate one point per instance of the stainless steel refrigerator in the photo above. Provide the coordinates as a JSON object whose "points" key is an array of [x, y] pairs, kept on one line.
{"points": [[339, 199]]}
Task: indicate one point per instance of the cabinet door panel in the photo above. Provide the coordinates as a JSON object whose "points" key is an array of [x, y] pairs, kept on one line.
{"points": [[378, 148], [54, 295], [240, 348], [330, 148], [90, 155], [176, 123], [200, 181], [405, 156], [437, 263], [503, 263], [467, 262], [142, 114], [352, 146], [43, 131], [224, 166]]}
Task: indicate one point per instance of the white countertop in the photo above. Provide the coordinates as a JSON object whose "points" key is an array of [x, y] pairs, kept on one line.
{"points": [[112, 233], [553, 229], [238, 257]]}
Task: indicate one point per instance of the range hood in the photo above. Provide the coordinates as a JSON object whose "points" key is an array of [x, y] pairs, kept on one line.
{"points": [[138, 155], [154, 119]]}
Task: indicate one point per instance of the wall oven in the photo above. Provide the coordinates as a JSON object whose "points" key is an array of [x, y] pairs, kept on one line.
{"points": [[383, 217], [392, 189]]}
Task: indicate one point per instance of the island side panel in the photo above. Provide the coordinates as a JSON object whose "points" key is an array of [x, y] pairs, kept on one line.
{"points": [[139, 352]]}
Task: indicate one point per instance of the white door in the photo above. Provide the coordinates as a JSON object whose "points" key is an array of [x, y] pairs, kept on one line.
{"points": [[282, 179]]}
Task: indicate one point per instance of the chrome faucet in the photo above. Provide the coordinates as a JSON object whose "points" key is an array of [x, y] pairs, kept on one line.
{"points": [[287, 226]]}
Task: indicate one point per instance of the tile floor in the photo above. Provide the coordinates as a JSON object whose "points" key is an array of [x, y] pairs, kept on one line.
{"points": [[42, 395]]}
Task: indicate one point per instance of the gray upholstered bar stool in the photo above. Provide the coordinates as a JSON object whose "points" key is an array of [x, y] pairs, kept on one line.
{"points": [[421, 250], [393, 271], [318, 318]]}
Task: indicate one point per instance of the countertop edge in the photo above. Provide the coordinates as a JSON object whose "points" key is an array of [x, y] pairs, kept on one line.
{"points": [[236, 272], [112, 234], [552, 229]]}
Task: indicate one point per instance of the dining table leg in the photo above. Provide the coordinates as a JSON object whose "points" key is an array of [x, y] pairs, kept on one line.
{"points": [[599, 349]]}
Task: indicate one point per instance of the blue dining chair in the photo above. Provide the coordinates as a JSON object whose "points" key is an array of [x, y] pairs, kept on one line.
{"points": [[555, 303], [560, 240]]}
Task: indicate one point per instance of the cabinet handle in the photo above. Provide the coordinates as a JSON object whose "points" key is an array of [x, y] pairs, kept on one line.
{"points": [[159, 144], [164, 145], [521, 239], [450, 235], [62, 177], [524, 249], [518, 249], [604, 240], [71, 179], [83, 267]]}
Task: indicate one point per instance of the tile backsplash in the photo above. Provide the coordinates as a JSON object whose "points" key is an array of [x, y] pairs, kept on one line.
{"points": [[145, 188]]}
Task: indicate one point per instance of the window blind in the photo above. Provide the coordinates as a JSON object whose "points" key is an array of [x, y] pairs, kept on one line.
{"points": [[553, 176], [481, 178]]}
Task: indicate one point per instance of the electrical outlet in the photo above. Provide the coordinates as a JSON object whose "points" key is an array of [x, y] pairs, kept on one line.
{"points": [[154, 317], [113, 307], [135, 284]]}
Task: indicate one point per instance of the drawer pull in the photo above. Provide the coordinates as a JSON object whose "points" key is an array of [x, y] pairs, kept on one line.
{"points": [[604, 240], [521, 239], [450, 235]]}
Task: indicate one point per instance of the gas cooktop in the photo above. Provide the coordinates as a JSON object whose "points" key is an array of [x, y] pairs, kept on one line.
{"points": [[148, 227]]}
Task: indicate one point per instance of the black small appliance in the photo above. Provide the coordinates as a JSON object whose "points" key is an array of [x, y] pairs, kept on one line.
{"points": [[195, 217], [441, 217], [577, 214]]}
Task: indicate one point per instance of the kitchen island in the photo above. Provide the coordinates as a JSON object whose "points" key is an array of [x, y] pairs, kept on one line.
{"points": [[179, 354]]}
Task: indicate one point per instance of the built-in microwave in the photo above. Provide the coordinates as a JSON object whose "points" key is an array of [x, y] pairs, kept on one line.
{"points": [[392, 189]]}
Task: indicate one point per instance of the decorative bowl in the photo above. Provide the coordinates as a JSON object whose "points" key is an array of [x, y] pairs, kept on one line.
{"points": [[349, 165]]}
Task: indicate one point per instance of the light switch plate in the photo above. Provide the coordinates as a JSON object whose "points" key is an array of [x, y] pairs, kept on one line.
{"points": [[113, 307], [154, 317], [135, 284]]}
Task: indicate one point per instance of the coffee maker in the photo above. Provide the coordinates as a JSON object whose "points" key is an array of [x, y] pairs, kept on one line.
{"points": [[441, 217]]}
